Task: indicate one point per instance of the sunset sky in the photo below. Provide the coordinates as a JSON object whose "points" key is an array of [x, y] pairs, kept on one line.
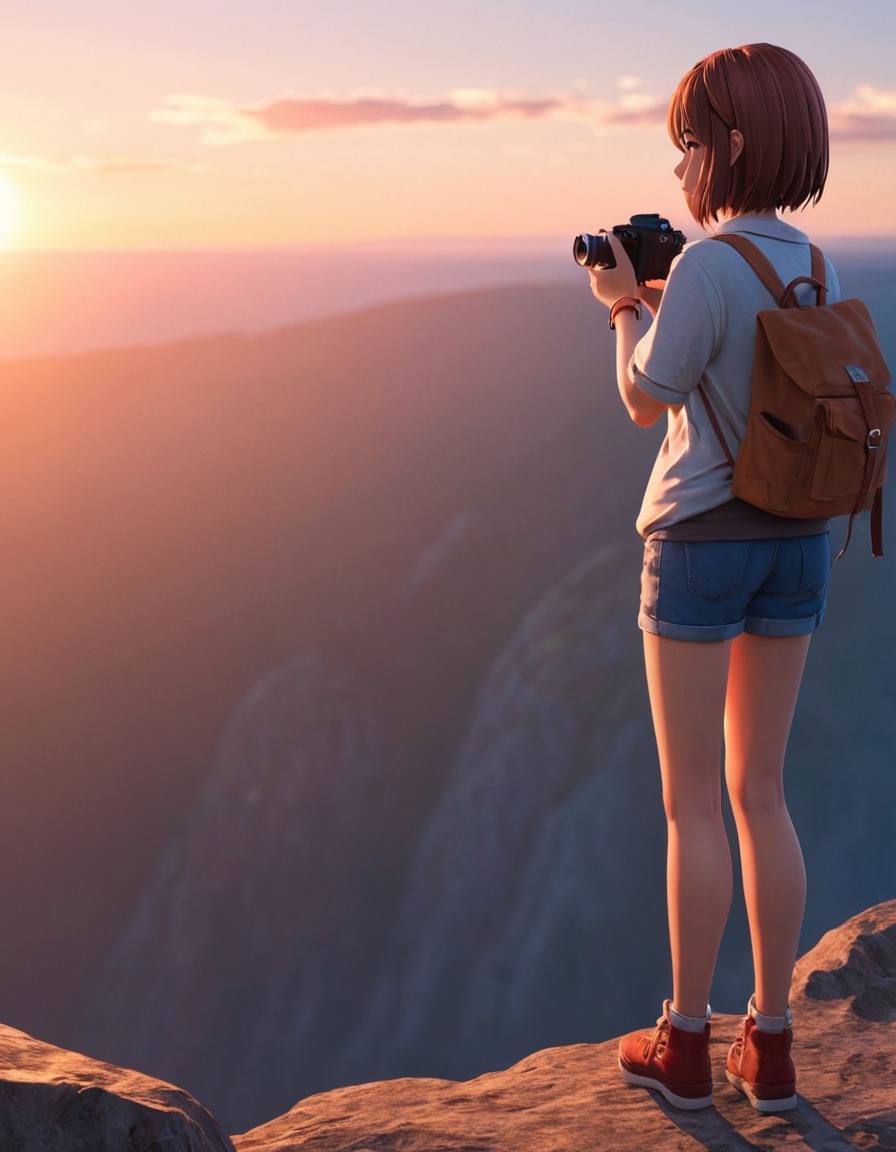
{"points": [[210, 124]]}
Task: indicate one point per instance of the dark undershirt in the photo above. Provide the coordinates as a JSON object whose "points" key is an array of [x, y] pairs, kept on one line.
{"points": [[737, 520]]}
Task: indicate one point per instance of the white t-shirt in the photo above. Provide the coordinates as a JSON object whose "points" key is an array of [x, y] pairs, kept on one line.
{"points": [[704, 332]]}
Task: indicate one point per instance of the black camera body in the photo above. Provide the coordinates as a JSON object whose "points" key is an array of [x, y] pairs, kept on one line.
{"points": [[649, 240]]}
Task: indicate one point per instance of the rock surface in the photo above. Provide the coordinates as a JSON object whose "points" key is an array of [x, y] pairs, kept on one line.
{"points": [[567, 1099], [571, 1098], [52, 1100]]}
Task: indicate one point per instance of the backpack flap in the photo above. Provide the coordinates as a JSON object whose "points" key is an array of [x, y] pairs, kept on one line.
{"points": [[809, 344]]}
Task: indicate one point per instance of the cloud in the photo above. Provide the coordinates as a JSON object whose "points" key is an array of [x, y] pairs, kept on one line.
{"points": [[121, 162], [225, 123], [115, 162], [635, 109], [16, 162], [870, 117], [222, 122], [291, 115]]}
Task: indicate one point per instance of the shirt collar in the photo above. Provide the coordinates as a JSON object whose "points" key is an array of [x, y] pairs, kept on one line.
{"points": [[773, 227]]}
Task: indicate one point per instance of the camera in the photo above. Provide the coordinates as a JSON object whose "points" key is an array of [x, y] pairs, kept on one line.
{"points": [[649, 240]]}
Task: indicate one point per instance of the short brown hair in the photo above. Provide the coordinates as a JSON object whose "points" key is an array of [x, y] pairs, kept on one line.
{"points": [[770, 96]]}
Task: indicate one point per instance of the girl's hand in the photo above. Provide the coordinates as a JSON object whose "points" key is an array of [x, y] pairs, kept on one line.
{"points": [[610, 284]]}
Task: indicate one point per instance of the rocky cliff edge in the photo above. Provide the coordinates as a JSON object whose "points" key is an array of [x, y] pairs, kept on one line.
{"points": [[844, 1003]]}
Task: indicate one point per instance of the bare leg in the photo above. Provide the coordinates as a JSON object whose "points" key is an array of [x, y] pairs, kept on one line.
{"points": [[763, 685], [687, 685]]}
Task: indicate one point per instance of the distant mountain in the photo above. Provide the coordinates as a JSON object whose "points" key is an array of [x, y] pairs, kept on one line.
{"points": [[58, 303], [325, 643], [181, 520]]}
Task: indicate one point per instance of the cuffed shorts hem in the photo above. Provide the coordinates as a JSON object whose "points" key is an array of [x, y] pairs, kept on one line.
{"points": [[805, 627], [716, 632]]}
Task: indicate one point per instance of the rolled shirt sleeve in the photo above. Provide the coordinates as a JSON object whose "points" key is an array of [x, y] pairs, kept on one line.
{"points": [[670, 360]]}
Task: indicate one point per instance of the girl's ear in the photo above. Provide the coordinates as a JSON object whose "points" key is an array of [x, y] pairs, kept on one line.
{"points": [[736, 144]]}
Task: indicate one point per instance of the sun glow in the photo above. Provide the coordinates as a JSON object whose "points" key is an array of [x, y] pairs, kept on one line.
{"points": [[10, 213]]}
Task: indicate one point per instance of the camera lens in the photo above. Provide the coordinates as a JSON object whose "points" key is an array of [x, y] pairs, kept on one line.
{"points": [[593, 251], [580, 249]]}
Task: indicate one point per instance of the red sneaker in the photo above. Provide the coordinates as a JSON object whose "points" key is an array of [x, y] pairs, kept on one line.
{"points": [[673, 1062], [759, 1065]]}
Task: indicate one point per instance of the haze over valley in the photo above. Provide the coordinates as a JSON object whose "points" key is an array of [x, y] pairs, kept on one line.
{"points": [[323, 717]]}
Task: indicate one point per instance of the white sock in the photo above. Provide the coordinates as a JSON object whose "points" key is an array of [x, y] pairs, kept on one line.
{"points": [[689, 1023], [768, 1023]]}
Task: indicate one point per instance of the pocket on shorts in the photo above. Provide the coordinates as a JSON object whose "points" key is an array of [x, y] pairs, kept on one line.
{"points": [[716, 568], [650, 576], [816, 566]]}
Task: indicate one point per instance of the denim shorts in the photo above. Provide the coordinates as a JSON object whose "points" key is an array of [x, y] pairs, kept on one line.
{"points": [[716, 589]]}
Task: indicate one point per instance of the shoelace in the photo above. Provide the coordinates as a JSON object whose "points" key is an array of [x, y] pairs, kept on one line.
{"points": [[660, 1038]]}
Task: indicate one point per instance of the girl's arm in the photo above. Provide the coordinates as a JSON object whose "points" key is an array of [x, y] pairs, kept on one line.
{"points": [[610, 285], [643, 409]]}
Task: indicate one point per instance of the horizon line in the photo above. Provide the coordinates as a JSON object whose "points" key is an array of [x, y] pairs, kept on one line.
{"points": [[414, 245]]}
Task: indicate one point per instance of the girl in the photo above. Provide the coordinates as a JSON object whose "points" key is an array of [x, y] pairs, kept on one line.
{"points": [[730, 595]]}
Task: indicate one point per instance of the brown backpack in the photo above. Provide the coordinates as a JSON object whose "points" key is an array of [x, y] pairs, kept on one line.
{"points": [[820, 410]]}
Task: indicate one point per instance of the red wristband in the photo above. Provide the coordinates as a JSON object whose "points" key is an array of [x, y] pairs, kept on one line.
{"points": [[625, 304]]}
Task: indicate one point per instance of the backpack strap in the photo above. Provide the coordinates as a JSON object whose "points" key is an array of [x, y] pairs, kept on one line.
{"points": [[865, 394], [757, 260], [765, 270], [876, 525], [818, 273], [716, 426]]}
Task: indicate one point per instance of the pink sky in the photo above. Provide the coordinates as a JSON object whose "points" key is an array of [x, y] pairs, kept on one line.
{"points": [[201, 124]]}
